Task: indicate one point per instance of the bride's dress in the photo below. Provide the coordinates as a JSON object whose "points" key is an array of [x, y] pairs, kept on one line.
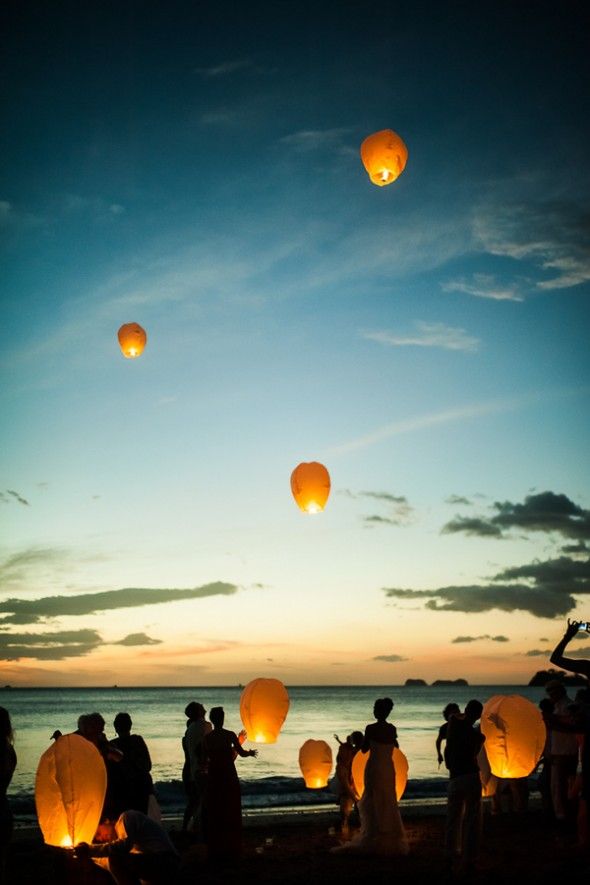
{"points": [[382, 830]]}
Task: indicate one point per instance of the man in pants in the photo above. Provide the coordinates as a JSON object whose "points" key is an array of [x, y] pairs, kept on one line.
{"points": [[464, 741]]}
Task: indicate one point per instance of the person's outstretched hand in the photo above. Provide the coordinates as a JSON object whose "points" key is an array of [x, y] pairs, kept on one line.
{"points": [[572, 629]]}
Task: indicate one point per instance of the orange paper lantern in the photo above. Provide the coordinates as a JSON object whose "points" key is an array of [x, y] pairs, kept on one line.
{"points": [[515, 735], [310, 484], [132, 340], [264, 705], [315, 762], [70, 787], [384, 156], [400, 764]]}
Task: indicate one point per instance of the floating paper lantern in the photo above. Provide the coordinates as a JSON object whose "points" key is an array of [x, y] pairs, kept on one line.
{"points": [[384, 156], [515, 735], [315, 762], [400, 764], [70, 788], [264, 704], [310, 484], [132, 340]]}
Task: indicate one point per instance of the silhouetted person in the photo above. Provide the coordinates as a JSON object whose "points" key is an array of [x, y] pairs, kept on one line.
{"points": [[223, 801], [563, 750], [91, 727], [134, 781], [194, 772], [347, 794], [464, 741], [7, 766], [448, 711], [142, 854]]}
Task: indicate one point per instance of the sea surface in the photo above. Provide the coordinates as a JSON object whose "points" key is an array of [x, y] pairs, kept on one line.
{"points": [[274, 778]]}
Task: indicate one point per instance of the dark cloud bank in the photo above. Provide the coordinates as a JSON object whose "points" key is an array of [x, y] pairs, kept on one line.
{"points": [[546, 589], [57, 646]]}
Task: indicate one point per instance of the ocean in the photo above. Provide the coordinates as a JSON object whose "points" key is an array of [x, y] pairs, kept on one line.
{"points": [[274, 778]]}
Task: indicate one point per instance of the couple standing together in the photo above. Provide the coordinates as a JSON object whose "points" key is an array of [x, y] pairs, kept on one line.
{"points": [[382, 830]]}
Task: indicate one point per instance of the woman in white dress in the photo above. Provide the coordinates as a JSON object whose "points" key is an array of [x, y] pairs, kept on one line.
{"points": [[382, 830]]}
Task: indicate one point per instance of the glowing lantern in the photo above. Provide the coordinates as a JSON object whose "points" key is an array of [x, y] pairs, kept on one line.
{"points": [[515, 735], [315, 762], [69, 791], [310, 484], [132, 340], [264, 704], [400, 764], [384, 156]]}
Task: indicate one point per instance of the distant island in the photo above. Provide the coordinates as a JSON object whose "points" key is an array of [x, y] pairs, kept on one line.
{"points": [[542, 677], [417, 683]]}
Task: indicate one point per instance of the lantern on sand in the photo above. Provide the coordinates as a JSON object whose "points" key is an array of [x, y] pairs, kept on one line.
{"points": [[515, 735], [315, 762], [69, 791], [132, 340], [310, 484], [400, 764], [384, 156], [264, 704]]}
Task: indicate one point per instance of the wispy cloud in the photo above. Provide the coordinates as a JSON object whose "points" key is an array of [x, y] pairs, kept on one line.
{"points": [[48, 646], [108, 600], [458, 499], [390, 659], [18, 497], [135, 639], [462, 639], [306, 140], [428, 335], [553, 235], [483, 286], [225, 68]]}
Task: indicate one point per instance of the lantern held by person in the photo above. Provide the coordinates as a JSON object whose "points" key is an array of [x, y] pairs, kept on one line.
{"points": [[315, 762], [515, 735], [264, 704], [384, 156], [400, 764], [310, 484], [70, 787], [132, 340]]}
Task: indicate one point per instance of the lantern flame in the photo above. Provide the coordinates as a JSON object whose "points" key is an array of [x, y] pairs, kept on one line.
{"points": [[67, 842]]}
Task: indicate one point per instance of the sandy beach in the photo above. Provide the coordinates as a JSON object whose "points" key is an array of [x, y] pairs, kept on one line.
{"points": [[295, 847]]}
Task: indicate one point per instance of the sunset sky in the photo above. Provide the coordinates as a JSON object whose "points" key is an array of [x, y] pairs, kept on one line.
{"points": [[194, 167]]}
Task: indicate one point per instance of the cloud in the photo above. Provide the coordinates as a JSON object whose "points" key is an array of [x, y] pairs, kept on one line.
{"points": [[549, 590], [483, 286], [390, 659], [48, 646], [553, 235], [459, 639], [543, 512], [306, 140], [225, 68], [428, 335], [17, 567], [458, 499], [134, 639], [18, 497], [580, 547], [91, 603], [537, 653]]}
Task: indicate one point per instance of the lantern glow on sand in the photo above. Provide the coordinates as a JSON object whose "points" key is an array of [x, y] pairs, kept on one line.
{"points": [[515, 735], [310, 485], [132, 340], [384, 156], [70, 787], [264, 705], [315, 762], [400, 763]]}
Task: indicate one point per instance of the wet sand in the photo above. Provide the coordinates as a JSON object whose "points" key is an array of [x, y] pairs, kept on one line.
{"points": [[295, 848]]}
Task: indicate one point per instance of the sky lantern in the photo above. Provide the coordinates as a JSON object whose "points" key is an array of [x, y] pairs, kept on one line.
{"points": [[69, 791], [515, 735], [384, 156], [400, 763], [132, 340], [315, 762], [310, 484], [264, 705]]}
